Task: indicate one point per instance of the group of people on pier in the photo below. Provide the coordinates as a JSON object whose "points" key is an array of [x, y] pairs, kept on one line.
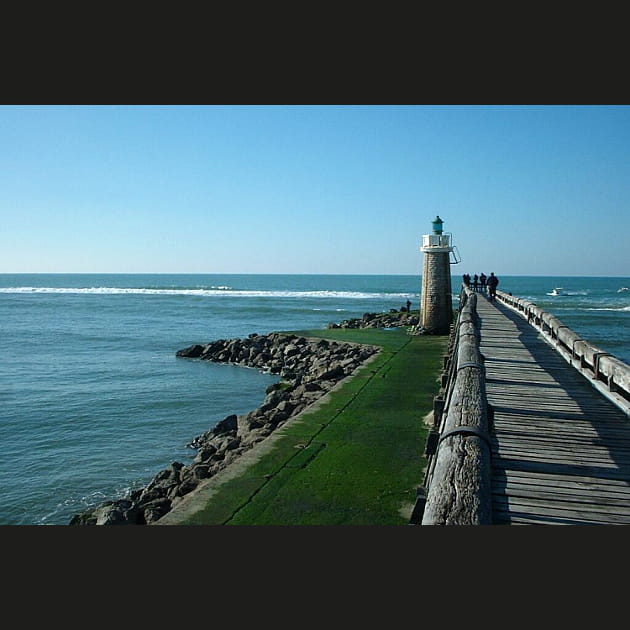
{"points": [[483, 283]]}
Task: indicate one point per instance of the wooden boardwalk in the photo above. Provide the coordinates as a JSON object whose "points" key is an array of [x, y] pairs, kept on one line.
{"points": [[560, 449]]}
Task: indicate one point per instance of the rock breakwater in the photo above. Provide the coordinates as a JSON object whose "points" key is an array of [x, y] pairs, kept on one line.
{"points": [[393, 319], [308, 369]]}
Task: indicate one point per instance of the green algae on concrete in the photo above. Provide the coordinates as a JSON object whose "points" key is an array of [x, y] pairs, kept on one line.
{"points": [[353, 458]]}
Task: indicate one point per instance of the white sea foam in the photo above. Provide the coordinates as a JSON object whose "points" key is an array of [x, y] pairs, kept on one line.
{"points": [[211, 292]]}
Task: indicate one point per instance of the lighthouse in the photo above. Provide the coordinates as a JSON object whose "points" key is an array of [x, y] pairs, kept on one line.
{"points": [[436, 307]]}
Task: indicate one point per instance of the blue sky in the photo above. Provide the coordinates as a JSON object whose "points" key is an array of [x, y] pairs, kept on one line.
{"points": [[524, 190]]}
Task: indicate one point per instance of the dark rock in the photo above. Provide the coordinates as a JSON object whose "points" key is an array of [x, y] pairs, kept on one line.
{"points": [[85, 518], [117, 513], [190, 352], [333, 373], [187, 486], [232, 444], [156, 509], [205, 453], [201, 471], [229, 424], [277, 416]]}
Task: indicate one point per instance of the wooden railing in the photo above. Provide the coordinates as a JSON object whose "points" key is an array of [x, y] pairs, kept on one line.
{"points": [[604, 371], [457, 488], [457, 484]]}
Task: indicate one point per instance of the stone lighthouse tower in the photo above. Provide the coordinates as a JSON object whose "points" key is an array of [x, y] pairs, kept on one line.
{"points": [[436, 307]]}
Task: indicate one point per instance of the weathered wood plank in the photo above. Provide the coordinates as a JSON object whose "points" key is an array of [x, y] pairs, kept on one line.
{"points": [[573, 509], [554, 453], [519, 425], [576, 495], [554, 479], [514, 517], [566, 469]]}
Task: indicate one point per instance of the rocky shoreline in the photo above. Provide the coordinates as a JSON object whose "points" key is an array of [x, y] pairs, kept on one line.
{"points": [[308, 369], [393, 319]]}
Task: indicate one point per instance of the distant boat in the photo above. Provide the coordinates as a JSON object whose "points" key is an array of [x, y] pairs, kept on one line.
{"points": [[622, 289], [557, 291]]}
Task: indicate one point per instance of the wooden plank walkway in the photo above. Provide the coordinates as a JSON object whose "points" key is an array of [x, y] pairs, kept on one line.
{"points": [[560, 449]]}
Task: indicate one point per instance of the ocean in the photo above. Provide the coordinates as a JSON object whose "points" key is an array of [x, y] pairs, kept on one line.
{"points": [[94, 402]]}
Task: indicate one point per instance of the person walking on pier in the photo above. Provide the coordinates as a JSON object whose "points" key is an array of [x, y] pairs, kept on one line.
{"points": [[492, 286], [482, 281], [475, 282]]}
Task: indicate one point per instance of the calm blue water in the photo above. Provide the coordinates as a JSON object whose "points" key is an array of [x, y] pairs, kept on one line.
{"points": [[93, 401]]}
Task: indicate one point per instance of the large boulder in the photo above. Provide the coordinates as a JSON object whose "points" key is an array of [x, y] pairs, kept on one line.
{"points": [[191, 352], [229, 424]]}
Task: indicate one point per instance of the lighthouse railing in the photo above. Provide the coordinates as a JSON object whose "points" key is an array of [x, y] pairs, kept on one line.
{"points": [[457, 482], [436, 240]]}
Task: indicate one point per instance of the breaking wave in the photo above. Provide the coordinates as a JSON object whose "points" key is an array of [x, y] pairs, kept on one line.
{"points": [[609, 308], [210, 292]]}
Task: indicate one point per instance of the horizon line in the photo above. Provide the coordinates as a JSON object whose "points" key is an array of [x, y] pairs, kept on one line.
{"points": [[242, 273]]}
